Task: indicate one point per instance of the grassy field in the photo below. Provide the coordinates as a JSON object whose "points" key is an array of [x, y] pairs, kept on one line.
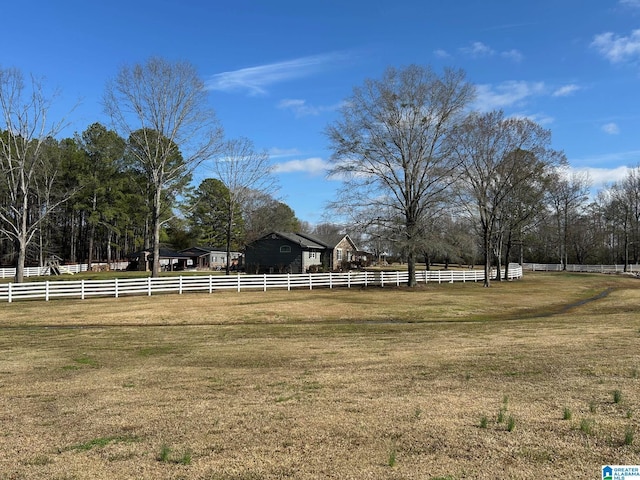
{"points": [[538, 378]]}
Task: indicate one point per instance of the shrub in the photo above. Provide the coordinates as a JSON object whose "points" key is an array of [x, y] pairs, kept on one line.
{"points": [[617, 396], [586, 426], [511, 424], [484, 421], [628, 436]]}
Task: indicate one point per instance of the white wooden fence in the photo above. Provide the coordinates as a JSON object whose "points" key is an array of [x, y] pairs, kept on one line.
{"points": [[42, 271], [556, 267], [118, 287]]}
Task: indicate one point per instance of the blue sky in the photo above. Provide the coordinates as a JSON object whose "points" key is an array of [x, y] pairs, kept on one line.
{"points": [[278, 70]]}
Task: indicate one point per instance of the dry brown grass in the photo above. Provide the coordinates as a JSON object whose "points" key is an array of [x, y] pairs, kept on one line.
{"points": [[324, 384]]}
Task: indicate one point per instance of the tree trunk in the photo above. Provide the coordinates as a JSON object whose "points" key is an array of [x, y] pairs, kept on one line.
{"points": [[497, 254], [155, 269], [22, 255], [228, 239], [22, 238], [92, 233], [486, 247], [498, 258], [72, 240], [109, 237], [41, 247], [411, 264], [507, 254]]}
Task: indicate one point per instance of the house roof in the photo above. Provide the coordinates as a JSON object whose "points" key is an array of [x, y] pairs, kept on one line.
{"points": [[306, 240], [299, 239], [168, 253], [164, 253], [329, 241], [200, 251], [197, 250]]}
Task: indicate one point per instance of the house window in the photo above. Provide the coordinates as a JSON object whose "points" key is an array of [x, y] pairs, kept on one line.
{"points": [[285, 249], [339, 254], [312, 254]]}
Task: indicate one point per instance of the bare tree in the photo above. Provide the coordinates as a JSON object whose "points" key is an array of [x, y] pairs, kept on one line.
{"points": [[498, 156], [568, 192], [162, 106], [245, 172], [26, 130], [624, 210], [389, 147]]}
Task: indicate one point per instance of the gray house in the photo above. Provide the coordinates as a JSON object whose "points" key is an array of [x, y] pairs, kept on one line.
{"points": [[209, 258], [285, 252]]}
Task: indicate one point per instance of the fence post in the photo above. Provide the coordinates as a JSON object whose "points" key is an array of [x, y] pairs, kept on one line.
{"points": [[82, 289], [210, 283], [46, 291], [382, 278], [238, 282], [180, 285], [116, 285], [288, 281], [149, 286], [330, 281], [9, 293], [310, 282], [348, 279], [265, 282]]}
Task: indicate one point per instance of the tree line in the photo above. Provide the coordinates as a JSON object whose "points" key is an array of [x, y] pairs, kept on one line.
{"points": [[424, 177], [105, 193], [427, 177]]}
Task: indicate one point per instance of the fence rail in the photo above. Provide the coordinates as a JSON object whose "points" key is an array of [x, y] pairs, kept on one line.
{"points": [[74, 268], [557, 267], [83, 289]]}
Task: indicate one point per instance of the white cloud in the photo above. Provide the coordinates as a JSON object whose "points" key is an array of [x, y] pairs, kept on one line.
{"points": [[478, 49], [312, 166], [441, 53], [512, 54], [482, 50], [611, 128], [601, 177], [300, 107], [618, 49], [507, 94], [566, 90], [255, 80], [630, 3]]}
